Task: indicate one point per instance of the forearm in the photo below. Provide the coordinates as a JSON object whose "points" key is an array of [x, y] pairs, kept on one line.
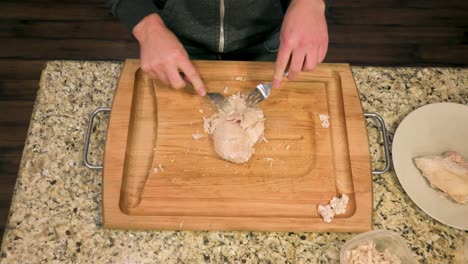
{"points": [[151, 24], [318, 3], [131, 12]]}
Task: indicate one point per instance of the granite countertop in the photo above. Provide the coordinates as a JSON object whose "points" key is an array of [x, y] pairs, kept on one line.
{"points": [[55, 215]]}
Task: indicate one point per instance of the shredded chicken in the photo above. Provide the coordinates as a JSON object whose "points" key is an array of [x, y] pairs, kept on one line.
{"points": [[324, 120], [197, 136], [368, 254], [236, 129], [326, 212], [277, 146], [336, 206], [447, 172], [339, 204]]}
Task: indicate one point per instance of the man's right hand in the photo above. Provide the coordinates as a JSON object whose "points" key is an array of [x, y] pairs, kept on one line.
{"points": [[162, 55]]}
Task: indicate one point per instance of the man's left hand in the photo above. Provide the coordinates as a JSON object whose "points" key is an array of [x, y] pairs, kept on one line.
{"points": [[303, 39]]}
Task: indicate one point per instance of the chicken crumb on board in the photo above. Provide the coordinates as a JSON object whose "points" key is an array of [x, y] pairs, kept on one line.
{"points": [[197, 135], [158, 169], [277, 146], [226, 90], [336, 206], [367, 253], [324, 120], [269, 160]]}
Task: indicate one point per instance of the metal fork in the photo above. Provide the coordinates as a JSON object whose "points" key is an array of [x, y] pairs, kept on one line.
{"points": [[260, 93], [218, 99], [255, 97]]}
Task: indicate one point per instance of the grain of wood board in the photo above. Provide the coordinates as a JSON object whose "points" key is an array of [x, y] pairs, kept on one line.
{"points": [[193, 186]]}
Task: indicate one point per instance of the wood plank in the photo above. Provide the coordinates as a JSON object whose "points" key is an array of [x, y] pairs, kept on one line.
{"points": [[10, 158], [13, 136], [55, 11], [395, 35], [101, 30], [398, 55], [401, 3], [15, 69], [84, 2], [18, 90], [456, 54], [7, 183], [441, 17], [34, 48], [16, 113], [360, 54]]}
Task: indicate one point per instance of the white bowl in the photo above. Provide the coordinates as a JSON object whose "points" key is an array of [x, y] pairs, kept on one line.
{"points": [[431, 129]]}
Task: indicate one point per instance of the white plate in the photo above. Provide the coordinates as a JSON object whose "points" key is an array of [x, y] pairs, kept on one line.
{"points": [[431, 129]]}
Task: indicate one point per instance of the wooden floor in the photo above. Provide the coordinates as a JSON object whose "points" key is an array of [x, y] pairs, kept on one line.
{"points": [[362, 32]]}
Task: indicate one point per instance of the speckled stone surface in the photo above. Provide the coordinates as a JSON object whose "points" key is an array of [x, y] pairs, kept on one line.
{"points": [[55, 215]]}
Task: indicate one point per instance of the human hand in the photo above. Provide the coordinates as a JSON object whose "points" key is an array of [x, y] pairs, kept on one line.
{"points": [[163, 57], [303, 39]]}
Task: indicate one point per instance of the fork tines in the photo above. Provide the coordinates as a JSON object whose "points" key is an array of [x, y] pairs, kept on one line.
{"points": [[260, 93]]}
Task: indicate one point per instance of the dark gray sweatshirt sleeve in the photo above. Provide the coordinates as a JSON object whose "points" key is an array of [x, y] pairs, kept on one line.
{"points": [[131, 12]]}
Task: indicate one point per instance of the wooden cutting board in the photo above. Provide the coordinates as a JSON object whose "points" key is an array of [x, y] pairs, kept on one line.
{"points": [[157, 176]]}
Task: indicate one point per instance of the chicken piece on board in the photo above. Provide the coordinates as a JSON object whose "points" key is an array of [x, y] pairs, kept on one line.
{"points": [[447, 172], [236, 129]]}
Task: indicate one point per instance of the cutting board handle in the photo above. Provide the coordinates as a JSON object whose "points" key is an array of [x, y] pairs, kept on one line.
{"points": [[88, 137], [386, 145]]}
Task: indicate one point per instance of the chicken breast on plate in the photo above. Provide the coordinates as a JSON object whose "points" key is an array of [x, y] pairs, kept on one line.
{"points": [[447, 172]]}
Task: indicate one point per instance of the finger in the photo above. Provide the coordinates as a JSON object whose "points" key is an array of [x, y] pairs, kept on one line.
{"points": [[310, 60], [297, 61], [148, 70], [192, 76], [322, 52], [151, 74], [174, 77], [161, 75], [282, 59]]}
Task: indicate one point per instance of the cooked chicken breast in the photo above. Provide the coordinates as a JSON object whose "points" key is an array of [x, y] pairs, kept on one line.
{"points": [[236, 129], [447, 172]]}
